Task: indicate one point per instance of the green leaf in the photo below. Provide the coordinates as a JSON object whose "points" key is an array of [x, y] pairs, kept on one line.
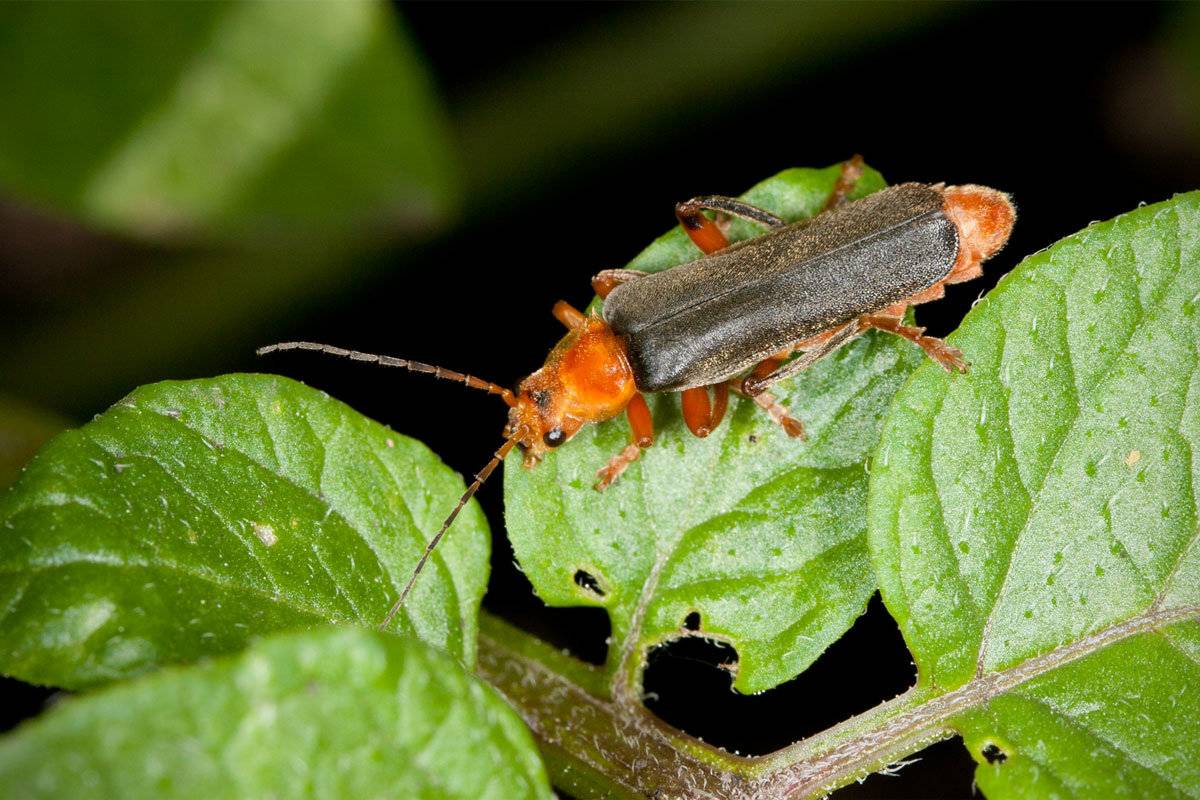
{"points": [[219, 117], [331, 713], [762, 535], [1034, 522], [23, 429], [193, 515]]}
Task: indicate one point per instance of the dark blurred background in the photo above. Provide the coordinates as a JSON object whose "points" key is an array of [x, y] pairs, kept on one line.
{"points": [[435, 176]]}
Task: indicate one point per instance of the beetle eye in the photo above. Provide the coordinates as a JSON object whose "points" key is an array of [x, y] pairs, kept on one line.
{"points": [[554, 437]]}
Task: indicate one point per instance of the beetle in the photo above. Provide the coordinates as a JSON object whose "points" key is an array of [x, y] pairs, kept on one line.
{"points": [[731, 319]]}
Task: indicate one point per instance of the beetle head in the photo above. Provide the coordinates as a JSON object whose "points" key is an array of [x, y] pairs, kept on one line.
{"points": [[540, 420]]}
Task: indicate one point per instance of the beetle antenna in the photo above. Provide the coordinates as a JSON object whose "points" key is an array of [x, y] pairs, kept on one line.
{"points": [[391, 361], [480, 477]]}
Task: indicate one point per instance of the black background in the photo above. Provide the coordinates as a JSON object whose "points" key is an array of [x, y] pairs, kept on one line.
{"points": [[1068, 108]]}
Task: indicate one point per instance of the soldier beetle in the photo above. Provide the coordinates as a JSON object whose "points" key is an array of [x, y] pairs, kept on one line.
{"points": [[731, 319]]}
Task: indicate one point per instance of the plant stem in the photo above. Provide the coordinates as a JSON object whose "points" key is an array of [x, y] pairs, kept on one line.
{"points": [[595, 747]]}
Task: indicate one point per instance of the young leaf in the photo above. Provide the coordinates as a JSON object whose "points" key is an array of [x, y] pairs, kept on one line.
{"points": [[331, 713], [193, 515], [761, 535], [219, 117], [1034, 522]]}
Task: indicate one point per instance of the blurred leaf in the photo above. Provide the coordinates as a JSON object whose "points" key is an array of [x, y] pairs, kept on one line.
{"points": [[1034, 522], [156, 119], [283, 147], [23, 429], [179, 311], [194, 515], [763, 535], [1182, 28], [328, 713], [651, 70]]}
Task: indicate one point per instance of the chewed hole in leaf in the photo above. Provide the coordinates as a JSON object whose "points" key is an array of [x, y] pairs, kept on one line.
{"points": [[993, 753], [588, 582], [695, 665], [692, 621]]}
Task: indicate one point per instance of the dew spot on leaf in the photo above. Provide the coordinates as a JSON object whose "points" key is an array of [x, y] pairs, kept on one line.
{"points": [[265, 533]]}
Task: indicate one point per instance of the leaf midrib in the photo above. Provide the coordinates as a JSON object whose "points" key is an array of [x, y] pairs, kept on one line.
{"points": [[814, 767], [1144, 319]]}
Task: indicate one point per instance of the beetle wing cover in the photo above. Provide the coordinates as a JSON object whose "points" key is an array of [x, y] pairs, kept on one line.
{"points": [[711, 319]]}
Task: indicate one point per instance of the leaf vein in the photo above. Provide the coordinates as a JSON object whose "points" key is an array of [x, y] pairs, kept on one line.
{"points": [[1101, 377]]}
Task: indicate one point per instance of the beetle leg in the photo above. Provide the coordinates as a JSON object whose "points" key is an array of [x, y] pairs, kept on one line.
{"points": [[704, 232], [951, 358], [700, 229], [775, 410], [697, 411], [720, 403], [757, 383], [688, 209], [607, 280], [701, 415], [567, 314], [641, 427], [846, 181]]}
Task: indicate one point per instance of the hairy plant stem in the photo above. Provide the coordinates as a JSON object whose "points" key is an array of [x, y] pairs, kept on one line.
{"points": [[597, 747]]}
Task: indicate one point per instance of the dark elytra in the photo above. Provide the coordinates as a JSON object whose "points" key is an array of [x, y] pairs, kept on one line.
{"points": [[711, 319]]}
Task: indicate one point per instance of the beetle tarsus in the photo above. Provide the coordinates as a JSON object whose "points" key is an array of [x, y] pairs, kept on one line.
{"points": [[641, 436], [616, 465], [949, 357], [777, 412]]}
